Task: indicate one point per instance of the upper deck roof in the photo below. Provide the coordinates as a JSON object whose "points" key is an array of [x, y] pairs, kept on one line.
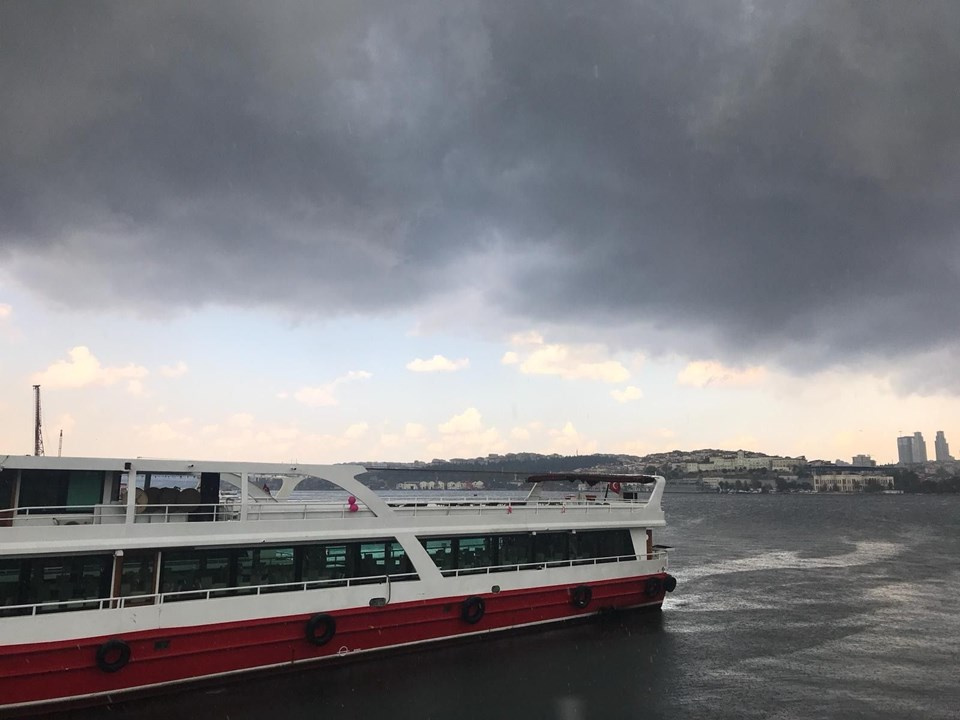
{"points": [[277, 514]]}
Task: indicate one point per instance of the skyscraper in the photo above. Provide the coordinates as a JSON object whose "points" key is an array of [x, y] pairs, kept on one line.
{"points": [[905, 450], [943, 450], [919, 448]]}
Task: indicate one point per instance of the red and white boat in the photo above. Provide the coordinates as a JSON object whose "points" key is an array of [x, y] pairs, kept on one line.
{"points": [[105, 592]]}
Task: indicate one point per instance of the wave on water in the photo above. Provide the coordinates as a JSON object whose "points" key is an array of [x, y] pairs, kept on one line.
{"points": [[864, 553]]}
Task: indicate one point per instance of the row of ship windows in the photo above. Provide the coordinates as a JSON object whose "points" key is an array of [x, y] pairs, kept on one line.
{"points": [[61, 579], [463, 553], [31, 581]]}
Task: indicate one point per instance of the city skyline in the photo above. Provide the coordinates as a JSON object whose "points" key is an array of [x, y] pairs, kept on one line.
{"points": [[912, 449]]}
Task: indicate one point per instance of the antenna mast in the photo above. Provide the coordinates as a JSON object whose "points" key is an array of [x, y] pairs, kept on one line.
{"points": [[37, 430], [60, 447]]}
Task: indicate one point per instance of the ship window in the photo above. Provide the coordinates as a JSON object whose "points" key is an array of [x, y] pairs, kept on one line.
{"points": [[43, 489], [195, 570], [137, 576], [7, 486], [372, 559], [61, 579], [397, 561], [84, 488], [601, 544], [551, 547], [59, 489], [514, 549], [266, 566], [441, 550], [474, 552], [324, 562], [10, 584]]}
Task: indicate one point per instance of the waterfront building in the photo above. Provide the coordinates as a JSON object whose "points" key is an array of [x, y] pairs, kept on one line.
{"points": [[919, 448], [743, 462], [851, 482], [943, 449], [905, 450]]}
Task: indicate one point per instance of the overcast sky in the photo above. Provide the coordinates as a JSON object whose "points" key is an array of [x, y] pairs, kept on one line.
{"points": [[374, 231]]}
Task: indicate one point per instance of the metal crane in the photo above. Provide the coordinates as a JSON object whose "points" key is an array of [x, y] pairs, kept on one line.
{"points": [[37, 429]]}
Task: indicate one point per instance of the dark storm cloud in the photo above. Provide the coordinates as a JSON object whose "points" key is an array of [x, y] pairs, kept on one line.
{"points": [[780, 180]]}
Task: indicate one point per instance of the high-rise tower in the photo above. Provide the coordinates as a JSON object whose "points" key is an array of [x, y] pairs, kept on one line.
{"points": [[919, 448], [943, 450], [905, 450]]}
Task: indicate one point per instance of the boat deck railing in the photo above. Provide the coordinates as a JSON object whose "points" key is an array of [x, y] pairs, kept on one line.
{"points": [[130, 601], [199, 594], [543, 565], [309, 510], [498, 507]]}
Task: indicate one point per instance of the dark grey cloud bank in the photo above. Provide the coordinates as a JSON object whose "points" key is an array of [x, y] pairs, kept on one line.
{"points": [[772, 182]]}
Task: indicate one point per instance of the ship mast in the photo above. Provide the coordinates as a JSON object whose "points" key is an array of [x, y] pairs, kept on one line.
{"points": [[37, 430]]}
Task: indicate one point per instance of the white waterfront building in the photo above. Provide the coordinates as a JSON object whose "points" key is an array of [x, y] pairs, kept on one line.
{"points": [[851, 482]]}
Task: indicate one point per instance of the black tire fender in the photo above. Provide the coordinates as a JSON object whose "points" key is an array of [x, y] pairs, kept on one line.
{"points": [[669, 583], [472, 610], [320, 629], [113, 655], [654, 587], [581, 596]]}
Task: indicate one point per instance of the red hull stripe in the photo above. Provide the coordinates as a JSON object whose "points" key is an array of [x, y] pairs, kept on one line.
{"points": [[47, 672]]}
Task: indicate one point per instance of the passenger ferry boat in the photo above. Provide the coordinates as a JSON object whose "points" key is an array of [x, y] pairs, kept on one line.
{"points": [[105, 592]]}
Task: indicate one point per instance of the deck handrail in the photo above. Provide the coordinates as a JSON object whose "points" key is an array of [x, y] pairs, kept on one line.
{"points": [[545, 564], [207, 593], [296, 509]]}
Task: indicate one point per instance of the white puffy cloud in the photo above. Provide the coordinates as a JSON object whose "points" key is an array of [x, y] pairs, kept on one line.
{"points": [[438, 363], [174, 371], [164, 433], [356, 431], [468, 421], [390, 441], [526, 432], [568, 441], [414, 431], [711, 373], [325, 395], [465, 435], [571, 362], [626, 395], [83, 369], [243, 436]]}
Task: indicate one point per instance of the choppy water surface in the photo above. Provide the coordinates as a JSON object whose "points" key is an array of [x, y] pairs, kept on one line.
{"points": [[792, 606]]}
